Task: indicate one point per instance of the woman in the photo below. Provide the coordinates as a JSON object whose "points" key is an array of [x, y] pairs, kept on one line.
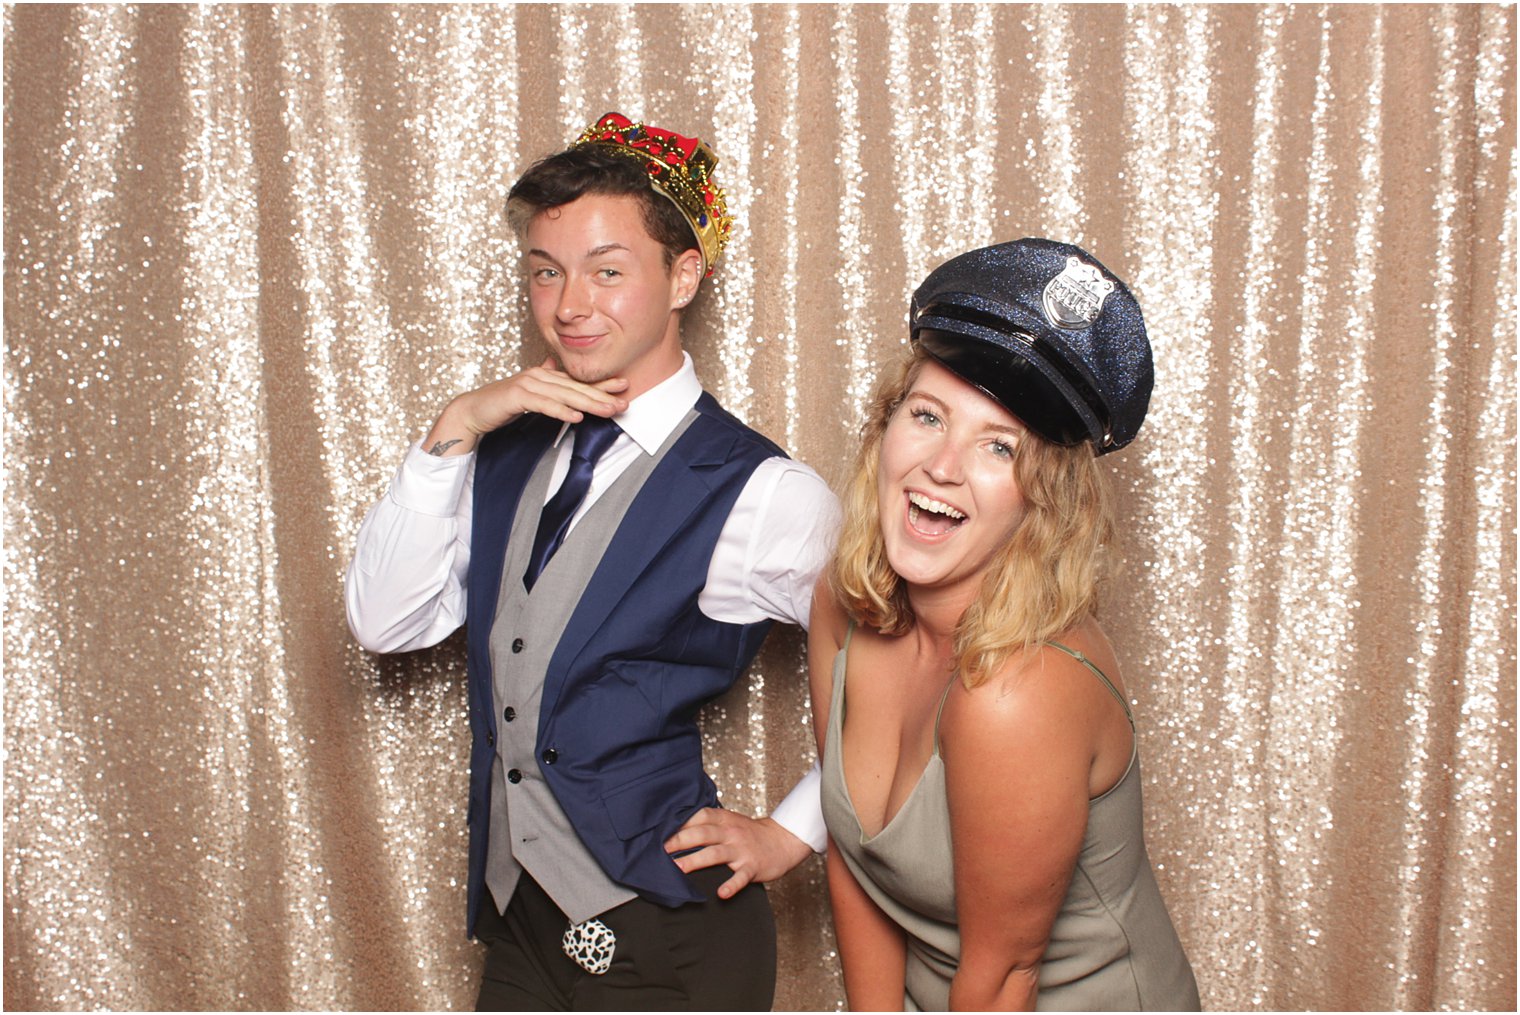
{"points": [[980, 778]]}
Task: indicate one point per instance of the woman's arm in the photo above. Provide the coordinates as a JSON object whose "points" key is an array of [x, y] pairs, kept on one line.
{"points": [[1018, 751], [826, 633], [872, 948]]}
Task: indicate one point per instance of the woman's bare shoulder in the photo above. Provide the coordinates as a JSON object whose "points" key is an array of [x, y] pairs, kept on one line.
{"points": [[828, 621], [1042, 687]]}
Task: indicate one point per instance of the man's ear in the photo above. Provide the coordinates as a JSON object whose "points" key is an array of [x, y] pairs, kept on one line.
{"points": [[685, 277]]}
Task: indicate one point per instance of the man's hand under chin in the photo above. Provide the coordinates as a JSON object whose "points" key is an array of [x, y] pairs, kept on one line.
{"points": [[755, 849]]}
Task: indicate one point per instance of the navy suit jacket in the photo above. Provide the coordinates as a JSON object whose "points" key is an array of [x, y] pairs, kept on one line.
{"points": [[637, 658]]}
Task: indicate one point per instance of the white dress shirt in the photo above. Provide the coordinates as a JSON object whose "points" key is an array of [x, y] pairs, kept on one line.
{"points": [[406, 584]]}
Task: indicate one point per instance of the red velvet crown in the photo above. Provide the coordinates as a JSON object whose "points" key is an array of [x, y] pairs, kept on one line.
{"points": [[678, 167]]}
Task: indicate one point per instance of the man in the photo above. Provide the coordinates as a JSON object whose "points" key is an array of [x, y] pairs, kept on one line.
{"points": [[613, 578]]}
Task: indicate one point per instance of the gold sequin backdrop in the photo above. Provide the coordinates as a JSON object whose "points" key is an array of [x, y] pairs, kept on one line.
{"points": [[249, 252]]}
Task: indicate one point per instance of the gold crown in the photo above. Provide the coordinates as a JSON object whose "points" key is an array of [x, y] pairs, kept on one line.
{"points": [[678, 167]]}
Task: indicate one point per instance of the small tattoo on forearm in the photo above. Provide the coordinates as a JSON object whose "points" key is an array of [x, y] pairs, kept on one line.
{"points": [[442, 446]]}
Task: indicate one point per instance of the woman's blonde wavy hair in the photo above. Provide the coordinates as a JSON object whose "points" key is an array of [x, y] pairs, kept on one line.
{"points": [[1042, 583]]}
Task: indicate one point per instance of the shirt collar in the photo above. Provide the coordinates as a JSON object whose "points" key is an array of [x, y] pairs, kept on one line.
{"points": [[654, 415]]}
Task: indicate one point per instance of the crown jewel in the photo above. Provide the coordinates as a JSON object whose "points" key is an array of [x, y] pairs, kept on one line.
{"points": [[678, 167]]}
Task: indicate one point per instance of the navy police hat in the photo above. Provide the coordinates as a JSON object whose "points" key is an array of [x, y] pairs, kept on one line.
{"points": [[1045, 330]]}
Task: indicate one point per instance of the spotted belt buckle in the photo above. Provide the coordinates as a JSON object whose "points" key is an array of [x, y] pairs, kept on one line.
{"points": [[590, 945]]}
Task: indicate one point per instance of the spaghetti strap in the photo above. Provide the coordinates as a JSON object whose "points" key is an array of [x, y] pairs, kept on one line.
{"points": [[937, 715], [841, 661], [1079, 657]]}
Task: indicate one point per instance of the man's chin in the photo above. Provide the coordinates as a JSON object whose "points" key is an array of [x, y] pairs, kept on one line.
{"points": [[581, 364], [586, 373]]}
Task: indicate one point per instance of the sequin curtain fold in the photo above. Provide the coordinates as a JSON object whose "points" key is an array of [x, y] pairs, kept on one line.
{"points": [[251, 251]]}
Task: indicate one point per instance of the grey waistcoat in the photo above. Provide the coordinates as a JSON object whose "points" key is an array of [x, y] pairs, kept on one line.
{"points": [[529, 831]]}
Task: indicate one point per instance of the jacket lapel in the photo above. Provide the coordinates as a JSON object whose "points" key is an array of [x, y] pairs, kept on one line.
{"points": [[676, 489]]}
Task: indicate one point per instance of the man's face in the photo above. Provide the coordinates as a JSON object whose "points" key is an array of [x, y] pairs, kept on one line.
{"points": [[601, 294]]}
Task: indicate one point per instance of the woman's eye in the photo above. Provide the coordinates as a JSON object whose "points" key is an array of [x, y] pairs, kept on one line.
{"points": [[926, 417], [545, 274], [1002, 449]]}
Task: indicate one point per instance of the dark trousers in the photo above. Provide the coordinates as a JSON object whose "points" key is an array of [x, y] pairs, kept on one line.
{"points": [[704, 956]]}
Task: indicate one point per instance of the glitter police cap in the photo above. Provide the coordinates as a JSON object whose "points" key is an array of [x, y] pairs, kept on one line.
{"points": [[1047, 331]]}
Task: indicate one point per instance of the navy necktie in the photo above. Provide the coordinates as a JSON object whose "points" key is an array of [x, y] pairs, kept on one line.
{"points": [[593, 436]]}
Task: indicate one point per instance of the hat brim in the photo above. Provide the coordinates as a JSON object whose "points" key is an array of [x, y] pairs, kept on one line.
{"points": [[1011, 370]]}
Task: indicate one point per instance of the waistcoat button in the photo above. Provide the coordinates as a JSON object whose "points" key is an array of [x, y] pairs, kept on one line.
{"points": [[514, 776], [509, 714], [551, 756], [517, 644], [490, 739]]}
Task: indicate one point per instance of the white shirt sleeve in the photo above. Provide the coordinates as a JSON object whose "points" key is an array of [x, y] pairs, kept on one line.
{"points": [[405, 587], [778, 537], [776, 542], [801, 813]]}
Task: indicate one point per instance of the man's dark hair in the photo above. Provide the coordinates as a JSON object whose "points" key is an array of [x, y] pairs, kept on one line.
{"points": [[593, 169]]}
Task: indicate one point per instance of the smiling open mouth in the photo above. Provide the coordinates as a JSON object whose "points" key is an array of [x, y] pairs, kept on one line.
{"points": [[932, 517]]}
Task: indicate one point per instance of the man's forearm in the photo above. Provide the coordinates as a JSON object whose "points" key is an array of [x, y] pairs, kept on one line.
{"points": [[451, 433]]}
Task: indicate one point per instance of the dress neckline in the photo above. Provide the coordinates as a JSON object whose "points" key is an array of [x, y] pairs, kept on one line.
{"points": [[841, 668]]}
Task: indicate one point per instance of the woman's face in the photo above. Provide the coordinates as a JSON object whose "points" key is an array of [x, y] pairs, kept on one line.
{"points": [[945, 487]]}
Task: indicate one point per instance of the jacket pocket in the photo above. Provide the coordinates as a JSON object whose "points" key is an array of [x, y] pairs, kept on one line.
{"points": [[636, 807]]}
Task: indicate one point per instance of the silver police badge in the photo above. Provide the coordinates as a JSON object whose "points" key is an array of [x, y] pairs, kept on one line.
{"points": [[1074, 299]]}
